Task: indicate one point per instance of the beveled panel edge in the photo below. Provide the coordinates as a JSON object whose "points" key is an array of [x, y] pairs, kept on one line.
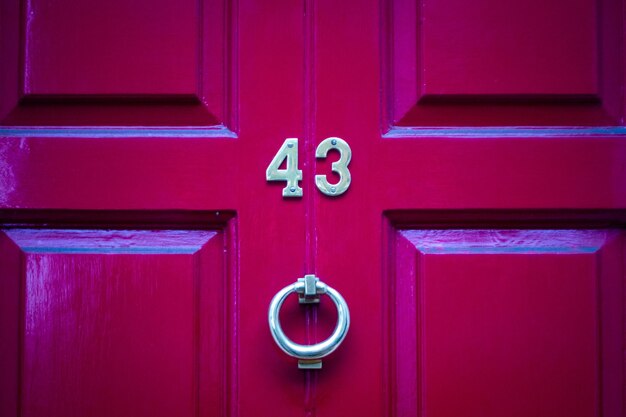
{"points": [[98, 241], [507, 132], [220, 131], [496, 241], [403, 219], [220, 219]]}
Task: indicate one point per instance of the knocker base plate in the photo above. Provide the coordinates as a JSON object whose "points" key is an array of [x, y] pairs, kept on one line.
{"points": [[310, 364]]}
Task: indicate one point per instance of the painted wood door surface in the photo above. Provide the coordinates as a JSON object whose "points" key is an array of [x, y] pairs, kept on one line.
{"points": [[479, 246]]}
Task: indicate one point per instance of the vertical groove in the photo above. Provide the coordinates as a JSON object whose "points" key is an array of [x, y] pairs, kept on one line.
{"points": [[231, 76], [200, 52], [25, 12], [197, 340], [21, 333], [599, 354], [389, 275], [309, 135], [386, 47], [310, 376], [232, 263]]}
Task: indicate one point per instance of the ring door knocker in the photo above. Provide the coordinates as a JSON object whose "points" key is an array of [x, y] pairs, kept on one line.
{"points": [[309, 289]]}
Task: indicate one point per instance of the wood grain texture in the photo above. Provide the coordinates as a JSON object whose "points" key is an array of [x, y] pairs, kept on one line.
{"points": [[11, 284], [505, 241], [110, 241], [122, 322]]}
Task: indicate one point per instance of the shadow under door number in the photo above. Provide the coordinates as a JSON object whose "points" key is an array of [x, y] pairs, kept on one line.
{"points": [[288, 153]]}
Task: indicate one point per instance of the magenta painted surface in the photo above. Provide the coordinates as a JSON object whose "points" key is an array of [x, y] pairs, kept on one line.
{"points": [[527, 328], [525, 48], [120, 63], [255, 75], [490, 63], [112, 48], [110, 327], [10, 323]]}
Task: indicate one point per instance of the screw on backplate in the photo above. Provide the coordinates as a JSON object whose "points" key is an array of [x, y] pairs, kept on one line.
{"points": [[292, 189], [290, 145], [334, 141], [333, 189]]}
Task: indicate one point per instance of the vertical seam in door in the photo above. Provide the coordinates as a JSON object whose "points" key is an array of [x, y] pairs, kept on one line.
{"points": [[232, 262], [21, 336], [199, 51], [196, 267], [231, 56], [599, 333], [309, 135], [24, 70], [310, 376]]}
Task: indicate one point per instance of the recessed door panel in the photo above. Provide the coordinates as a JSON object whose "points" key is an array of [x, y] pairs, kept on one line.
{"points": [[121, 322], [118, 63], [491, 48], [507, 322], [83, 56], [492, 63]]}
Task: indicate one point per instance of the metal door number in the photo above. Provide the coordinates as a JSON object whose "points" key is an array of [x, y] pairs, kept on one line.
{"points": [[288, 153]]}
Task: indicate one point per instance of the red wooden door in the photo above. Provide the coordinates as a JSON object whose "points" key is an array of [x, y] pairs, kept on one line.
{"points": [[479, 246]]}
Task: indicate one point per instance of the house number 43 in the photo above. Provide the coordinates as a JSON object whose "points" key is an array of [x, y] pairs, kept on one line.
{"points": [[288, 152]]}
